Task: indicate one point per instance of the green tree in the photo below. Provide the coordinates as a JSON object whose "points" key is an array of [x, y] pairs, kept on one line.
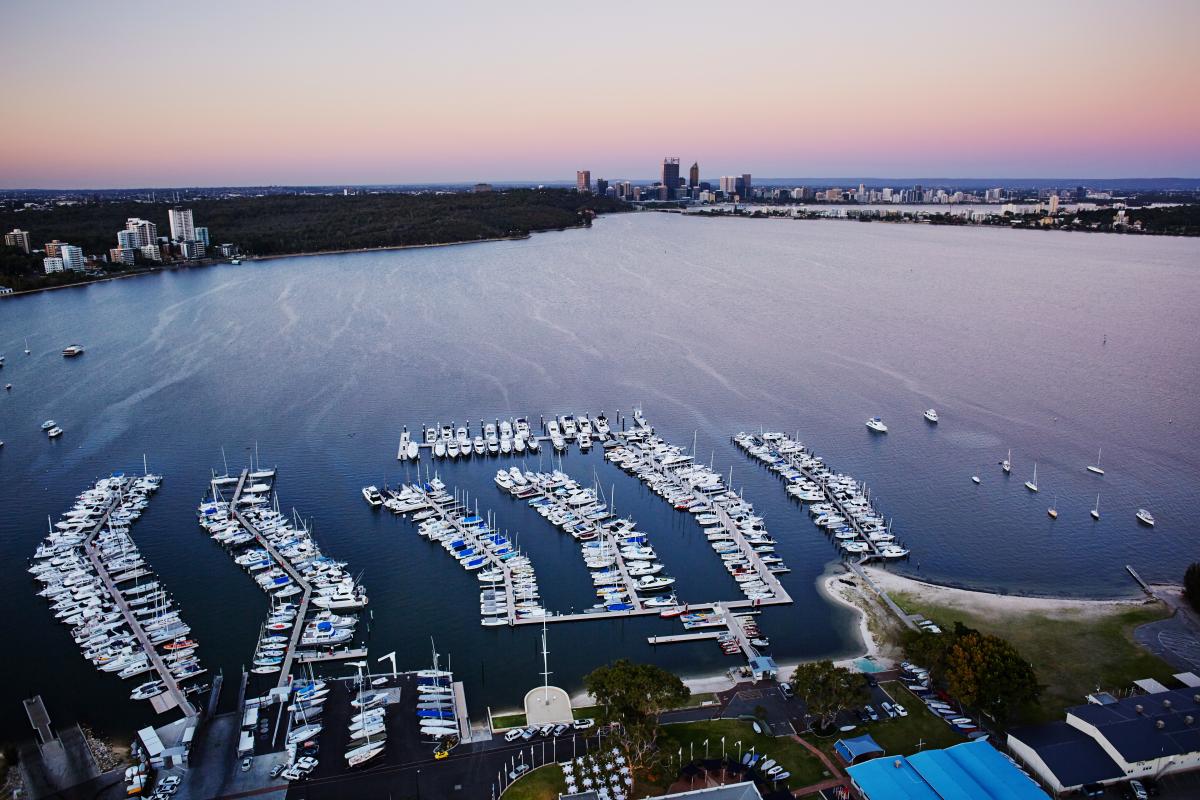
{"points": [[980, 670], [1191, 585], [633, 696], [828, 690]]}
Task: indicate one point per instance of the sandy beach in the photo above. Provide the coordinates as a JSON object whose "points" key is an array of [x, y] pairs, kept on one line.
{"points": [[990, 603]]}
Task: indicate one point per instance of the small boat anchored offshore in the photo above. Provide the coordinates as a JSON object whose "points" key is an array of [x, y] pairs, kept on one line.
{"points": [[876, 424], [931, 415], [73, 350], [1096, 467], [1096, 508], [1006, 464], [1031, 485], [1145, 517], [1052, 511]]}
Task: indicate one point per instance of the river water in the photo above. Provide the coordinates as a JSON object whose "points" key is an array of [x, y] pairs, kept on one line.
{"points": [[1051, 344]]}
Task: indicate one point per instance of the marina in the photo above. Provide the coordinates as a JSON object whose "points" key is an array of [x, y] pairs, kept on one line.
{"points": [[838, 503], [119, 621], [310, 594]]}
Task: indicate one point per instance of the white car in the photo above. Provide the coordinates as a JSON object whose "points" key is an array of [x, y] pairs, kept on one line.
{"points": [[518, 771], [514, 734], [583, 724], [170, 780], [901, 710], [306, 764]]}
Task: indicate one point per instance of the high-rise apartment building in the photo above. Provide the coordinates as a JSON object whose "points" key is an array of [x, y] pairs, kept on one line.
{"points": [[72, 257], [52, 264], [670, 176], [147, 232], [18, 238], [202, 235], [694, 175], [746, 189], [601, 186], [52, 248], [583, 181], [182, 227]]}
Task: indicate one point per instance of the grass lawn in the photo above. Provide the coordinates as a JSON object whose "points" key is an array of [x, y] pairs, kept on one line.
{"points": [[806, 768], [1073, 651], [509, 721], [543, 783], [901, 736]]}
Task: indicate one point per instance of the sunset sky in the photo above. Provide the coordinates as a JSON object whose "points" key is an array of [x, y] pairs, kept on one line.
{"points": [[220, 93]]}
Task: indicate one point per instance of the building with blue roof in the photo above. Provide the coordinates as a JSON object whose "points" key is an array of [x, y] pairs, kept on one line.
{"points": [[968, 771]]}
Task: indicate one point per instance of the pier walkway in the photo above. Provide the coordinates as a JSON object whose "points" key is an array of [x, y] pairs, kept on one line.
{"points": [[285, 672], [174, 695], [446, 514]]}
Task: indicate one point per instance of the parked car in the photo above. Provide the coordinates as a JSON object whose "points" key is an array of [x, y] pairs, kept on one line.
{"points": [[900, 710], [559, 730], [529, 733], [277, 770], [872, 713], [863, 717], [170, 780], [518, 771], [583, 724], [306, 763], [545, 730], [1137, 791], [887, 709], [514, 734], [786, 690], [247, 763]]}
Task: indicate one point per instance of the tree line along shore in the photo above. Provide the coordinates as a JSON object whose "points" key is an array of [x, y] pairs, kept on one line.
{"points": [[276, 225]]}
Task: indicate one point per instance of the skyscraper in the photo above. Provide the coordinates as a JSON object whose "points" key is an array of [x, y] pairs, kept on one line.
{"points": [[18, 238], [694, 175], [746, 187], [670, 176], [601, 186], [182, 229], [583, 181]]}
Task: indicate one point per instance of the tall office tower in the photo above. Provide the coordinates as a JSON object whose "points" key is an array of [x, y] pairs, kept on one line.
{"points": [[583, 181], [694, 175], [670, 176], [182, 228], [601, 186]]}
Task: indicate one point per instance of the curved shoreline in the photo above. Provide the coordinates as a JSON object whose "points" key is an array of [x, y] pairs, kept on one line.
{"points": [[993, 602]]}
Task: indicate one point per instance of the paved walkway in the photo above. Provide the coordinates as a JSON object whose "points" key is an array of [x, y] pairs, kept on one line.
{"points": [[839, 778]]}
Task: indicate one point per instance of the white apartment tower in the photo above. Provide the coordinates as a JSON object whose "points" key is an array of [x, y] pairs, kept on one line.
{"points": [[182, 229]]}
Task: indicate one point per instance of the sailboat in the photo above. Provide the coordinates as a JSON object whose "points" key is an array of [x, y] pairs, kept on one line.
{"points": [[1052, 511], [1096, 467], [367, 726], [1006, 464], [26, 345], [1096, 510], [1032, 485]]}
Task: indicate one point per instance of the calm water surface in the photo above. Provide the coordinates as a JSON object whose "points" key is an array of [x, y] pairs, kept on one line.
{"points": [[1051, 344]]}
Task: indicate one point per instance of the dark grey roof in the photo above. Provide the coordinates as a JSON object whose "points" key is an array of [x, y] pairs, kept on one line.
{"points": [[1136, 734], [1074, 757]]}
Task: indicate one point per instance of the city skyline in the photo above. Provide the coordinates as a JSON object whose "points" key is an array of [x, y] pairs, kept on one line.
{"points": [[284, 94]]}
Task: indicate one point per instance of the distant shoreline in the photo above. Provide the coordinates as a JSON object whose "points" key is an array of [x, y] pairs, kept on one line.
{"points": [[302, 254]]}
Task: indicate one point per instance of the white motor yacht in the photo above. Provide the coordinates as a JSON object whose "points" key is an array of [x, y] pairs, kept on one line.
{"points": [[876, 424], [1145, 517], [372, 496], [931, 415]]}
